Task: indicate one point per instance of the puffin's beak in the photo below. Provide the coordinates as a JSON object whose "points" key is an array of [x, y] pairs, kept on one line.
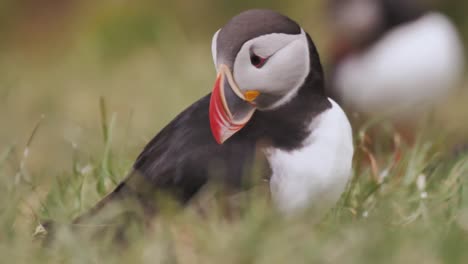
{"points": [[230, 109]]}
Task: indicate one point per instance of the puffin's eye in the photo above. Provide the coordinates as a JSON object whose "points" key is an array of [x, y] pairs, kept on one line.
{"points": [[256, 60]]}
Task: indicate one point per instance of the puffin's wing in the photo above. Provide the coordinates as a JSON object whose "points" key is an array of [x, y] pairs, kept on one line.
{"points": [[180, 159]]}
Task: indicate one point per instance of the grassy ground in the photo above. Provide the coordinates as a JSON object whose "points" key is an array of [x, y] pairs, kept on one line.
{"points": [[413, 210], [74, 119]]}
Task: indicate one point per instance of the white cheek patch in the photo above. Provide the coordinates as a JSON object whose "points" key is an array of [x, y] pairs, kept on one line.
{"points": [[283, 73], [214, 48], [265, 46]]}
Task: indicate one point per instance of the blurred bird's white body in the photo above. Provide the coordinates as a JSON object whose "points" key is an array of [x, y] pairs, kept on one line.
{"points": [[315, 175], [412, 66]]}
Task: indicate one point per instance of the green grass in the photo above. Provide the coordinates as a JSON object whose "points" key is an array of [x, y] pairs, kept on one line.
{"points": [[417, 212]]}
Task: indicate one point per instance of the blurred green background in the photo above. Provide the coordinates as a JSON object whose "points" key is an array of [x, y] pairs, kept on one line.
{"points": [[148, 59]]}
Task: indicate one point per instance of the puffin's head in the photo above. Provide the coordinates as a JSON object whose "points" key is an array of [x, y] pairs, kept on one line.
{"points": [[357, 23], [262, 59]]}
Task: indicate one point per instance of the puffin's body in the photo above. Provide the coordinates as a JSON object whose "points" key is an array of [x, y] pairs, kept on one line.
{"points": [[268, 97], [394, 58]]}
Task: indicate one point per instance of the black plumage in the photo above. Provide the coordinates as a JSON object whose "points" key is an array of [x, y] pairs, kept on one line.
{"points": [[182, 158]]}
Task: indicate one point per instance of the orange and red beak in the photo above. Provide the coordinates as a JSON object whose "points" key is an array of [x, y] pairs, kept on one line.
{"points": [[230, 109]]}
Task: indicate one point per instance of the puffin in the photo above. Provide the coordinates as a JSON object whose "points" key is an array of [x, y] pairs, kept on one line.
{"points": [[269, 98], [395, 59]]}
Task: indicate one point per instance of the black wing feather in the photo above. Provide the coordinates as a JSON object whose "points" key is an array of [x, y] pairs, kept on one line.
{"points": [[181, 158]]}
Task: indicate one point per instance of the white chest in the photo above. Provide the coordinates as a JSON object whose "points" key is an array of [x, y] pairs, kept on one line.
{"points": [[316, 174]]}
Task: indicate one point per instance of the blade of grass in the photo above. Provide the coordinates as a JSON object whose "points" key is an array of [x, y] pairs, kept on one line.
{"points": [[22, 173], [107, 130]]}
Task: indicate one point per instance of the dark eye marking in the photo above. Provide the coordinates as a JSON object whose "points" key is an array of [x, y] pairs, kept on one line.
{"points": [[256, 60]]}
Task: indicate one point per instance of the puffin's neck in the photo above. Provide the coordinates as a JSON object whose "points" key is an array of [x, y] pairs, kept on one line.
{"points": [[287, 126], [398, 12]]}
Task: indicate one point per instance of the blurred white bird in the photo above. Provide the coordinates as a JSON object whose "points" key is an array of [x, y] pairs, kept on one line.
{"points": [[393, 58]]}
